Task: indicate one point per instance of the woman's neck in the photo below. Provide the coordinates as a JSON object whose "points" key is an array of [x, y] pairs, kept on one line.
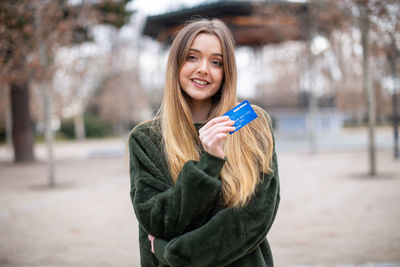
{"points": [[200, 110]]}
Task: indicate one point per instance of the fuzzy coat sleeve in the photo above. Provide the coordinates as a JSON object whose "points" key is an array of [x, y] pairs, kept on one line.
{"points": [[230, 234], [163, 209]]}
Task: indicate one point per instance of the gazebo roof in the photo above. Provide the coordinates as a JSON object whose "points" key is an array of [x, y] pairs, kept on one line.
{"points": [[253, 23]]}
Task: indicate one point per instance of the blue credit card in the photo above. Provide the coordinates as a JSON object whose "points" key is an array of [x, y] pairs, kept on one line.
{"points": [[242, 114]]}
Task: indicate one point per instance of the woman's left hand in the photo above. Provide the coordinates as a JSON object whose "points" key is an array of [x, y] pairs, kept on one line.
{"points": [[213, 134], [151, 238]]}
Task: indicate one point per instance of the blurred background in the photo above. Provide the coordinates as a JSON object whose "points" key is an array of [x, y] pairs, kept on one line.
{"points": [[78, 75]]}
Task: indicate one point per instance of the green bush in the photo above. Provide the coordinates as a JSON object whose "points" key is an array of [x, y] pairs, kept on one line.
{"points": [[94, 127], [67, 129]]}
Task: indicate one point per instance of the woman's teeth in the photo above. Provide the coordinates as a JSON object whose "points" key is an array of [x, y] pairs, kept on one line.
{"points": [[199, 81]]}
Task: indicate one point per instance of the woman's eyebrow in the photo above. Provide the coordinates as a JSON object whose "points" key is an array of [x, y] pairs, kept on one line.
{"points": [[198, 51]]}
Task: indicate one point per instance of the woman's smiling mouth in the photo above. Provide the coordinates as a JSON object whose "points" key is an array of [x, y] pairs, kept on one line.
{"points": [[200, 82]]}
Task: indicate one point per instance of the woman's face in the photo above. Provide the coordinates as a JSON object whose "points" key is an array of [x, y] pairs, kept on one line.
{"points": [[202, 72]]}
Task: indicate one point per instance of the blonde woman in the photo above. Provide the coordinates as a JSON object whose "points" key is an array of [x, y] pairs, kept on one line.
{"points": [[202, 196]]}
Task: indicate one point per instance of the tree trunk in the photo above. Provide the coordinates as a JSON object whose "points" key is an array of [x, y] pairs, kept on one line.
{"points": [[393, 66], [395, 125], [370, 97], [79, 125], [46, 94], [48, 112], [22, 132], [312, 104]]}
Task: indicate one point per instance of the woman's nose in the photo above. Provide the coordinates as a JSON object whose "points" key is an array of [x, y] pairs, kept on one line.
{"points": [[203, 67]]}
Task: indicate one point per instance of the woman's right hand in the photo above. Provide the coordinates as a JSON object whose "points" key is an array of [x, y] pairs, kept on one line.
{"points": [[213, 134]]}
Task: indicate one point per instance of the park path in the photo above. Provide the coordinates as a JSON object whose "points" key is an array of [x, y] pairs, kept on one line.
{"points": [[331, 213]]}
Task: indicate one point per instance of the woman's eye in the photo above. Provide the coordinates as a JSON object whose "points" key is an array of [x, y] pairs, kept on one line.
{"points": [[191, 57], [216, 63]]}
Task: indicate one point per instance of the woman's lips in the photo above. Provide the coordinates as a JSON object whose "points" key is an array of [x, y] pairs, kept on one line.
{"points": [[199, 82]]}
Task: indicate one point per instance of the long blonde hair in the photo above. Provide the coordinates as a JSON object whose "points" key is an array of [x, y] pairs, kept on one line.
{"points": [[248, 151]]}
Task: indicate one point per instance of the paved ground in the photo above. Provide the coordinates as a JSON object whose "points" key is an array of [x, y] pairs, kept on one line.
{"points": [[331, 214]]}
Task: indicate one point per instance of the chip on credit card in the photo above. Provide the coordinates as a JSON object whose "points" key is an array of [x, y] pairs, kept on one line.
{"points": [[242, 114]]}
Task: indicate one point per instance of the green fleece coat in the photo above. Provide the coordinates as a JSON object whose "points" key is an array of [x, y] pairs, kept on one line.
{"points": [[188, 219]]}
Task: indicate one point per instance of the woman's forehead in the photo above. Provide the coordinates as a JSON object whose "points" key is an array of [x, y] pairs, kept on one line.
{"points": [[206, 41]]}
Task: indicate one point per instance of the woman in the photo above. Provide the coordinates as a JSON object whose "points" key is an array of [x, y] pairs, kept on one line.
{"points": [[202, 196]]}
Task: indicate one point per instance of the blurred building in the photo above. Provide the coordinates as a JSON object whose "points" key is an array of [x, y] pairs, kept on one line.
{"points": [[277, 85]]}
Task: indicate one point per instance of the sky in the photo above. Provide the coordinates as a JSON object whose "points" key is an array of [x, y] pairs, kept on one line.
{"points": [[154, 7]]}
